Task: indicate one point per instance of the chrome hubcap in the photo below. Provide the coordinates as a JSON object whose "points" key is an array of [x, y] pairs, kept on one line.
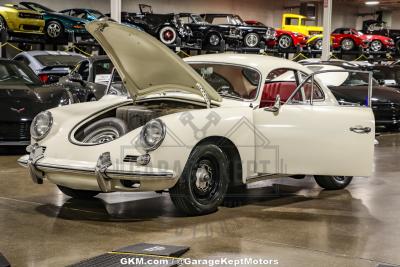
{"points": [[347, 45], [251, 40], [167, 35], [53, 30], [318, 45], [2, 26], [214, 39], [203, 177], [376, 46], [285, 42]]}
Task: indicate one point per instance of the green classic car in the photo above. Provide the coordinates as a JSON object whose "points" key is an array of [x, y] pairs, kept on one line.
{"points": [[58, 25]]}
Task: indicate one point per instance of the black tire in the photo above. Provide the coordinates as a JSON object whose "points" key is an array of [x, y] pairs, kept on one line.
{"points": [[213, 39], [252, 40], [104, 131], [78, 194], [347, 44], [194, 196], [398, 46], [318, 45], [285, 42], [54, 29], [3, 24], [235, 196], [167, 35], [333, 182]]}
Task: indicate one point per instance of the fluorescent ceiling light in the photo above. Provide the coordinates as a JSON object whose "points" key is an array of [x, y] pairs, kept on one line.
{"points": [[372, 3]]}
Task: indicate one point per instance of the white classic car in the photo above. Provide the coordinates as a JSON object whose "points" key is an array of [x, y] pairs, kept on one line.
{"points": [[198, 127]]}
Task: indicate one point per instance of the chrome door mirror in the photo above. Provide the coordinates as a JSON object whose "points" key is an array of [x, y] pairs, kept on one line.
{"points": [[277, 105]]}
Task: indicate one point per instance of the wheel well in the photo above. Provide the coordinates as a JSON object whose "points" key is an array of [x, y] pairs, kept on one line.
{"points": [[5, 21], [56, 20], [230, 149]]}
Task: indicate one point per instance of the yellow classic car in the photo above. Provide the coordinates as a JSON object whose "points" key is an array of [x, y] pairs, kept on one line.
{"points": [[14, 18], [298, 23]]}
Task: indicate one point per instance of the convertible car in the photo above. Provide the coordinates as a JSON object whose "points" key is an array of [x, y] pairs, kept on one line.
{"points": [[198, 128], [251, 35], [351, 90]]}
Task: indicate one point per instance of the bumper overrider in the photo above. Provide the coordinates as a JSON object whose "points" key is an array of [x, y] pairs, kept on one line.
{"points": [[102, 176]]}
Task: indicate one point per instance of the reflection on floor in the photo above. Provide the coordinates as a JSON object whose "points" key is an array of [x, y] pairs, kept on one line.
{"points": [[290, 220]]}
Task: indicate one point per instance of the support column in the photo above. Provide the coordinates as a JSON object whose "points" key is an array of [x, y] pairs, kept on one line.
{"points": [[116, 7], [326, 45]]}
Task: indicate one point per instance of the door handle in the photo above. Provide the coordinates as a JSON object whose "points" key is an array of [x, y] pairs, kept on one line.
{"points": [[360, 129]]}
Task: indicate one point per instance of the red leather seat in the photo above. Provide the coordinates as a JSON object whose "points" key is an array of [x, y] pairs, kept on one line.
{"points": [[271, 90]]}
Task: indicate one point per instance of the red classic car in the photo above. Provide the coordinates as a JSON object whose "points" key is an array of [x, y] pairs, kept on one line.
{"points": [[284, 39], [348, 39]]}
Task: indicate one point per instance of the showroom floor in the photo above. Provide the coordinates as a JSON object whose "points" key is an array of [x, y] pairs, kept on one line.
{"points": [[295, 222]]}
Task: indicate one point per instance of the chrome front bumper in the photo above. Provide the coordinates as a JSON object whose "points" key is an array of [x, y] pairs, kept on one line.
{"points": [[104, 175]]}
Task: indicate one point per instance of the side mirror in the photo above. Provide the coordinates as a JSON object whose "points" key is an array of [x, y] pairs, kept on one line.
{"points": [[75, 77], [277, 105]]}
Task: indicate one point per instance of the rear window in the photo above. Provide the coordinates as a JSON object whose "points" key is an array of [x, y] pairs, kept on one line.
{"points": [[55, 60]]}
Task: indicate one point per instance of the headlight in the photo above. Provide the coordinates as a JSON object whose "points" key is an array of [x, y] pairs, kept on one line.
{"points": [[41, 125], [152, 134]]}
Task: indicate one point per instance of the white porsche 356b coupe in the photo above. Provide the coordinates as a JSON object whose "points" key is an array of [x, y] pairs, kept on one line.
{"points": [[198, 127]]}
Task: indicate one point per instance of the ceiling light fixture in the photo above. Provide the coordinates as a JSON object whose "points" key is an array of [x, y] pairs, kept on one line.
{"points": [[372, 3]]}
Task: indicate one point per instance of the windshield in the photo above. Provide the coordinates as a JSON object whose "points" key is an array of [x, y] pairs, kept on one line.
{"points": [[230, 81], [96, 13], [58, 60], [13, 72], [198, 19], [116, 87], [239, 20], [38, 7]]}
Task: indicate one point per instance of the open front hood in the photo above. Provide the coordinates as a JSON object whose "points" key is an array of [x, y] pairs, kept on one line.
{"points": [[146, 65]]}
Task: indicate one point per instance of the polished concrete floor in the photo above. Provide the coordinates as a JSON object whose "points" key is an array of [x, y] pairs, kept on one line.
{"points": [[292, 221]]}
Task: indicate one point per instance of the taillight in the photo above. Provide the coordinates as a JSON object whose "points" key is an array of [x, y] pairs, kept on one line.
{"points": [[44, 78]]}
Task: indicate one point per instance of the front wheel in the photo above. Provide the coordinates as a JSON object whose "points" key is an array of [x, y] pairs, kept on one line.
{"points": [[285, 42], [252, 40], [78, 194], [54, 29], [333, 182], [376, 46], [3, 24], [204, 181], [214, 39], [318, 45]]}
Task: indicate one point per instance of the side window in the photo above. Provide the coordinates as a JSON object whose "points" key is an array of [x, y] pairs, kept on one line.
{"points": [[220, 20], [23, 59], [282, 82], [292, 21], [84, 70]]}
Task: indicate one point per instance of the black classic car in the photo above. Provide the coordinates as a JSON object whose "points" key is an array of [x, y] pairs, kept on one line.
{"points": [[22, 97], [210, 34], [251, 36], [90, 76], [353, 90], [165, 27]]}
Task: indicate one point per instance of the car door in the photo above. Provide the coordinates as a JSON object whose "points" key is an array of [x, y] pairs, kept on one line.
{"points": [[311, 135]]}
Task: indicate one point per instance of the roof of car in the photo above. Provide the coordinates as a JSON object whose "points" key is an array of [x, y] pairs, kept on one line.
{"points": [[264, 64]]}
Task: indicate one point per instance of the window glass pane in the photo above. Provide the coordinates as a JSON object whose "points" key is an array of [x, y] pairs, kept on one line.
{"points": [[230, 81]]}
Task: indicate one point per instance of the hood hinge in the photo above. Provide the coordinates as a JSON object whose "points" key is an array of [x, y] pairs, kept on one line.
{"points": [[204, 94]]}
